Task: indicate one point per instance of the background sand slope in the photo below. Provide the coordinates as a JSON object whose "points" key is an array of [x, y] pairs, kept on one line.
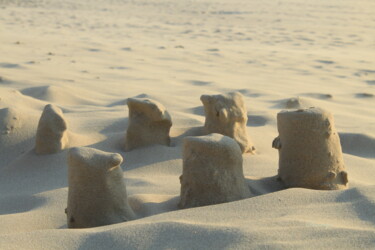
{"points": [[88, 57]]}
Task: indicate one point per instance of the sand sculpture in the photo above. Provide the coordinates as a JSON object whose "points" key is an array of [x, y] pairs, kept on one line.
{"points": [[97, 193], [212, 171], [227, 115], [309, 147], [51, 135], [149, 123]]}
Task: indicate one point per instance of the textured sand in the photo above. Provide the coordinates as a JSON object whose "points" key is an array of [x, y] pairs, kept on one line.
{"points": [[87, 57]]}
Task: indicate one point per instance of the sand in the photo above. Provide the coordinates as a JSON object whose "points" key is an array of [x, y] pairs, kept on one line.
{"points": [[87, 57]]}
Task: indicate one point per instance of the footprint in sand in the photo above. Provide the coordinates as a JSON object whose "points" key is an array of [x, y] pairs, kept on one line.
{"points": [[325, 61], [94, 50], [368, 76], [319, 96], [364, 95], [213, 50], [126, 49], [10, 65], [200, 83], [119, 67]]}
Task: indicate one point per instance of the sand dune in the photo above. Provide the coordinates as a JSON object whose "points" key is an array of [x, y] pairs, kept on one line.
{"points": [[88, 57]]}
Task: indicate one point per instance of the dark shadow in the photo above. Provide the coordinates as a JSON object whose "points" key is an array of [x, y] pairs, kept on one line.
{"points": [[318, 96], [122, 102], [125, 101], [265, 185], [364, 95], [4, 80], [257, 120], [118, 126], [199, 110], [94, 50], [248, 93], [19, 204], [138, 157], [10, 65], [119, 67], [362, 205], [200, 83], [35, 173], [358, 144], [126, 49], [146, 209], [325, 61], [194, 131]]}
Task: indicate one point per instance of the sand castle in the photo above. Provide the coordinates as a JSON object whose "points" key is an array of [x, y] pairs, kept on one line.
{"points": [[309, 150], [149, 123], [97, 194], [212, 171], [227, 115], [51, 135]]}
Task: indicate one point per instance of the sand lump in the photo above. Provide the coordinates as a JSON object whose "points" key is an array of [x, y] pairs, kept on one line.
{"points": [[51, 135], [309, 147], [97, 193], [227, 115], [212, 171], [149, 123]]}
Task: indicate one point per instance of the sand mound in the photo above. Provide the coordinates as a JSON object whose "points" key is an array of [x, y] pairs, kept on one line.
{"points": [[57, 94], [17, 131], [9, 121], [296, 103]]}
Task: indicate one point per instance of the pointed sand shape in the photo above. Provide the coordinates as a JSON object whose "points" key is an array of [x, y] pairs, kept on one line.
{"points": [[149, 123], [212, 171], [51, 135], [227, 115], [309, 147], [97, 193]]}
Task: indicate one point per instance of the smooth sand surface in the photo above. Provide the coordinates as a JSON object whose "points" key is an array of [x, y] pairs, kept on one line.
{"points": [[87, 57]]}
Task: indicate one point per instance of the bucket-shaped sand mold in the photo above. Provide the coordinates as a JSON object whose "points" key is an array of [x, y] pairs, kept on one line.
{"points": [[310, 153], [97, 193], [212, 171]]}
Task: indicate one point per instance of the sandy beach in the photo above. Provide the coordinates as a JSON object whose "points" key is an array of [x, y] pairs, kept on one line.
{"points": [[88, 57]]}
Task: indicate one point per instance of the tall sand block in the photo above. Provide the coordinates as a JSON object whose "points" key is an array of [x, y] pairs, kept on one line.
{"points": [[212, 171], [51, 135], [97, 193], [227, 115], [309, 147], [149, 123]]}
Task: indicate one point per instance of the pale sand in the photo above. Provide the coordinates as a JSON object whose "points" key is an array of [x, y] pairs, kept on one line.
{"points": [[87, 57]]}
